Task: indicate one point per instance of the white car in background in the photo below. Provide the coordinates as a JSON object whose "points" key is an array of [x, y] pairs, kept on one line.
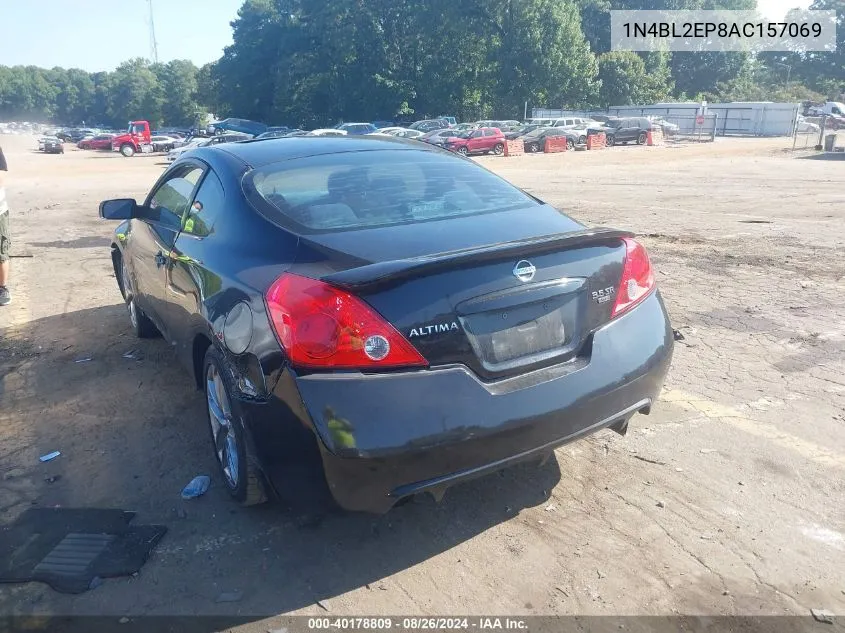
{"points": [[327, 132], [230, 137]]}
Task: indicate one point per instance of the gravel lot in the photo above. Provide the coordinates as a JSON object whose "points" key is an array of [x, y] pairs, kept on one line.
{"points": [[727, 499]]}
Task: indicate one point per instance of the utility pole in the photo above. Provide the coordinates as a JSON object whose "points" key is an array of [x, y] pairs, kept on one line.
{"points": [[153, 43]]}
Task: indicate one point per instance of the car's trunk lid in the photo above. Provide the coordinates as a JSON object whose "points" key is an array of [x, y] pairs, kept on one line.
{"points": [[501, 308]]}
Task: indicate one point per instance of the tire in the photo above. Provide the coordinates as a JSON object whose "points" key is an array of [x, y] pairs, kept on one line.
{"points": [[611, 141], [641, 139], [570, 144], [127, 150], [499, 149], [582, 140], [534, 148], [463, 151], [229, 441], [85, 146], [141, 324]]}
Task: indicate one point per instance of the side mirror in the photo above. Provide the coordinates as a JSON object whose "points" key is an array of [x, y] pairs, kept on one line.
{"points": [[119, 209]]}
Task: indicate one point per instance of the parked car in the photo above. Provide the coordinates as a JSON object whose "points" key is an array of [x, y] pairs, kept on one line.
{"points": [[535, 141], [668, 128], [484, 140], [74, 136], [438, 137], [282, 273], [627, 130], [327, 132], [100, 141], [220, 139], [521, 131], [163, 143], [429, 125], [412, 134], [356, 129], [242, 126], [274, 134], [452, 121], [570, 121], [293, 133], [53, 145], [806, 127]]}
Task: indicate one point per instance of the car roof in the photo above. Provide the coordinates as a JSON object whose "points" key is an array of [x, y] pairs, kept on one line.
{"points": [[256, 153]]}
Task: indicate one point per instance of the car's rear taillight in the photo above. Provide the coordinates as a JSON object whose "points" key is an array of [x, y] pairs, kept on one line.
{"points": [[323, 327], [637, 278]]}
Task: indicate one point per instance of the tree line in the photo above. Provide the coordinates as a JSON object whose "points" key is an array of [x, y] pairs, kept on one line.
{"points": [[316, 62]]}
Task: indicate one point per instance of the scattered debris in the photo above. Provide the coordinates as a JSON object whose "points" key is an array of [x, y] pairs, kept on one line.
{"points": [[133, 354], [96, 581], [52, 479], [197, 487], [551, 507], [600, 573], [705, 537], [123, 620], [822, 615], [84, 360], [726, 593], [650, 461], [741, 483], [678, 469], [707, 450], [323, 604], [229, 596], [49, 456], [678, 335], [660, 504], [562, 590]]}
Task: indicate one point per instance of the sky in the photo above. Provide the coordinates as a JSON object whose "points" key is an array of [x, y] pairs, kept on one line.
{"points": [[97, 35], [94, 34]]}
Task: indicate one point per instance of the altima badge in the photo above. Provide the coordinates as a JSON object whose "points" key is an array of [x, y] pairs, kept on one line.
{"points": [[524, 270]]}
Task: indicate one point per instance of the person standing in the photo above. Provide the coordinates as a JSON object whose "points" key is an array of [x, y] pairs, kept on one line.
{"points": [[5, 236]]}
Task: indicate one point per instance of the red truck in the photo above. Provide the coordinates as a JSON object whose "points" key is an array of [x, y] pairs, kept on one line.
{"points": [[136, 139]]}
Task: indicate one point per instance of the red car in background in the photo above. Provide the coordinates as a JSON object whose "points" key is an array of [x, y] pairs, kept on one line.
{"points": [[481, 141], [101, 141]]}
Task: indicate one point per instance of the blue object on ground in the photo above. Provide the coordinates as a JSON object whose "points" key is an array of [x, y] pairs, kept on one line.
{"points": [[197, 487]]}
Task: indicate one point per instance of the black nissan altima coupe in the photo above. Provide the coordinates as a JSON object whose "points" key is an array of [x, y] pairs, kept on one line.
{"points": [[377, 318]]}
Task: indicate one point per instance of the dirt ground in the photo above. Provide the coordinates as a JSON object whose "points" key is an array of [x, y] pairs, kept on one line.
{"points": [[727, 499]]}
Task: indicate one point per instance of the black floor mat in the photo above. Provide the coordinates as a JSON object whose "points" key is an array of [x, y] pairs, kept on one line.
{"points": [[67, 548]]}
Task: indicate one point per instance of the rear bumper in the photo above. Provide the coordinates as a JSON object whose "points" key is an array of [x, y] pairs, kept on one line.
{"points": [[384, 437]]}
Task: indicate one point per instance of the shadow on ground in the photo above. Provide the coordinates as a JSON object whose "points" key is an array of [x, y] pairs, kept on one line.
{"points": [[80, 242], [824, 156], [133, 432]]}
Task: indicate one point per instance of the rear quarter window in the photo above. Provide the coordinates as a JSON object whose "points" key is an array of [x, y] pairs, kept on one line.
{"points": [[359, 190]]}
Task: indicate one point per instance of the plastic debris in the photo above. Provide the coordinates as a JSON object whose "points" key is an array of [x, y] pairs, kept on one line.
{"points": [[324, 604], [53, 479], [821, 615], [197, 487], [660, 504], [49, 456], [678, 335], [84, 360], [133, 354]]}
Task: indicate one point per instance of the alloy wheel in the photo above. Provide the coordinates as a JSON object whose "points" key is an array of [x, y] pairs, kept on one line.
{"points": [[222, 427]]}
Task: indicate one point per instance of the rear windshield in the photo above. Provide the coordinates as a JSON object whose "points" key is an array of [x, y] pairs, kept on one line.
{"points": [[360, 190]]}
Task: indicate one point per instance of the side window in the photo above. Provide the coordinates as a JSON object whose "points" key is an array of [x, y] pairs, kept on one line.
{"points": [[208, 203], [172, 198], [476, 134]]}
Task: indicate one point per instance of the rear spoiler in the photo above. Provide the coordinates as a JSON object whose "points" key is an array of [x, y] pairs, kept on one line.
{"points": [[371, 276]]}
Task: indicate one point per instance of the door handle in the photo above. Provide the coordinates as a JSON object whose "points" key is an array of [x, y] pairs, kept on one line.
{"points": [[161, 260]]}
